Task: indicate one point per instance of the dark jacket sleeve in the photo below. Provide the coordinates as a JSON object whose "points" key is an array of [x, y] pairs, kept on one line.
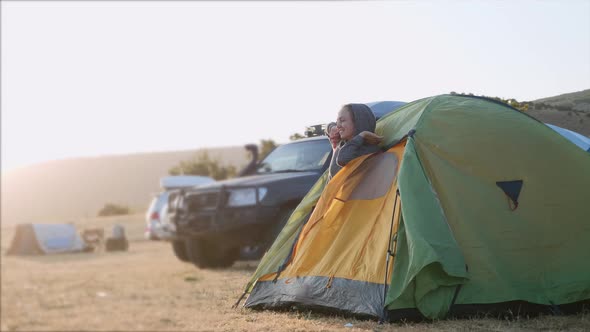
{"points": [[354, 149]]}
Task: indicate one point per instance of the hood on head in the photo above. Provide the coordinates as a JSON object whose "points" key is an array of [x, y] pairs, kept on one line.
{"points": [[363, 117]]}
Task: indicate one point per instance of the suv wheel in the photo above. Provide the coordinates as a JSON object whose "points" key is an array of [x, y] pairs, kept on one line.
{"points": [[278, 227], [179, 250], [207, 254], [256, 252]]}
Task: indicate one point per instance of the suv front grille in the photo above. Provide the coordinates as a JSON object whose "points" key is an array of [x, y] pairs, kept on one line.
{"points": [[201, 223], [202, 201]]}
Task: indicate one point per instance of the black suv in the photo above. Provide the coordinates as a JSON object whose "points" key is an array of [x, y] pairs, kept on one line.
{"points": [[215, 222]]}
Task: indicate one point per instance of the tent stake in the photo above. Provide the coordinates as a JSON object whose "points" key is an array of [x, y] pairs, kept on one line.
{"points": [[238, 301]]}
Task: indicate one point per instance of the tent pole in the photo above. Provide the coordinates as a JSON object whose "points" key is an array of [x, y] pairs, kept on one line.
{"points": [[389, 254]]}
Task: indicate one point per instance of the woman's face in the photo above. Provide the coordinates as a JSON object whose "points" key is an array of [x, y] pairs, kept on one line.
{"points": [[345, 125]]}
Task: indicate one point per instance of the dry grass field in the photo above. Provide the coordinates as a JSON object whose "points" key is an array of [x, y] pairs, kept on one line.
{"points": [[148, 289]]}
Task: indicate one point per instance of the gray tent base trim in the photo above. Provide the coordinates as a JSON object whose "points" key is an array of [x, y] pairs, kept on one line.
{"points": [[340, 297], [338, 294]]}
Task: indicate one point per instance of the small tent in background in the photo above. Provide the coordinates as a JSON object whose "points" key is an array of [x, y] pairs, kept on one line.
{"points": [[382, 108], [580, 140], [473, 206], [41, 239]]}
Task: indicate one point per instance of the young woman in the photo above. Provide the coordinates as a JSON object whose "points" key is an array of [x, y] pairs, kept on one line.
{"points": [[356, 126]]}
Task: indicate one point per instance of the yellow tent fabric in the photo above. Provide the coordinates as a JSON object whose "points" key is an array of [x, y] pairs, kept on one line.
{"points": [[344, 238]]}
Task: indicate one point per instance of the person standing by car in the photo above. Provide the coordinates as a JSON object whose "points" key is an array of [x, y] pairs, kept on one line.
{"points": [[356, 126], [333, 134]]}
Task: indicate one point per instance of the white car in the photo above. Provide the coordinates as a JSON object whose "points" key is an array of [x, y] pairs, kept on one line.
{"points": [[158, 226]]}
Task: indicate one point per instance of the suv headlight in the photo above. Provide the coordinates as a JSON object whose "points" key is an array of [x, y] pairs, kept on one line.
{"points": [[244, 197]]}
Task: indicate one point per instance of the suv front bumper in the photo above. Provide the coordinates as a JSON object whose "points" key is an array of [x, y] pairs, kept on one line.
{"points": [[204, 223], [211, 217]]}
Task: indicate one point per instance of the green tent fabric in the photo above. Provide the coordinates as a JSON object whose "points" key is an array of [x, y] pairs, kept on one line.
{"points": [[430, 264], [461, 240], [534, 252]]}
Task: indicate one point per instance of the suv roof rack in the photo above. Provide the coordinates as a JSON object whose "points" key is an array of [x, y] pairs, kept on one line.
{"points": [[315, 130]]}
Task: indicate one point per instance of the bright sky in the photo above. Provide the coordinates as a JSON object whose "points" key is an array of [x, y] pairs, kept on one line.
{"points": [[93, 78]]}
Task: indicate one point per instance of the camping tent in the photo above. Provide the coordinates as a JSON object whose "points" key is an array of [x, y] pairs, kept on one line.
{"points": [[40, 239], [382, 108], [580, 140], [472, 206]]}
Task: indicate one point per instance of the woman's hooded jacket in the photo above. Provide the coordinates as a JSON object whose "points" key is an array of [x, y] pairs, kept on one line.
{"points": [[364, 120]]}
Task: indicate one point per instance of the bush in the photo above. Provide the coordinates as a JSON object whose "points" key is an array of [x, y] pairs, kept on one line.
{"points": [[296, 136], [521, 106], [111, 209], [203, 165], [266, 147]]}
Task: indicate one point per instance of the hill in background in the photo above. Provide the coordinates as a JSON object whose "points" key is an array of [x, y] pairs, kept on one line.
{"points": [[570, 111], [66, 190]]}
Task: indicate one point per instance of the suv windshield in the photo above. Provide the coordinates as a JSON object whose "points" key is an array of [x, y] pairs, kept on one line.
{"points": [[296, 157]]}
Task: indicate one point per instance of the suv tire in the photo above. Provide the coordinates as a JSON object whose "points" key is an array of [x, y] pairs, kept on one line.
{"points": [[207, 254], [179, 250], [256, 252], [278, 227]]}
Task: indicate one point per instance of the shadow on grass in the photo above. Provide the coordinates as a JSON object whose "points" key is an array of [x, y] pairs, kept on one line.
{"points": [[243, 266]]}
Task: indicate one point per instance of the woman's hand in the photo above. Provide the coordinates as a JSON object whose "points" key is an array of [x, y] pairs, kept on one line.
{"points": [[371, 138]]}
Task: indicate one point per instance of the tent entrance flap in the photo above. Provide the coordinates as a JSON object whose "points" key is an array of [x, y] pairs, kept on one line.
{"points": [[342, 251]]}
